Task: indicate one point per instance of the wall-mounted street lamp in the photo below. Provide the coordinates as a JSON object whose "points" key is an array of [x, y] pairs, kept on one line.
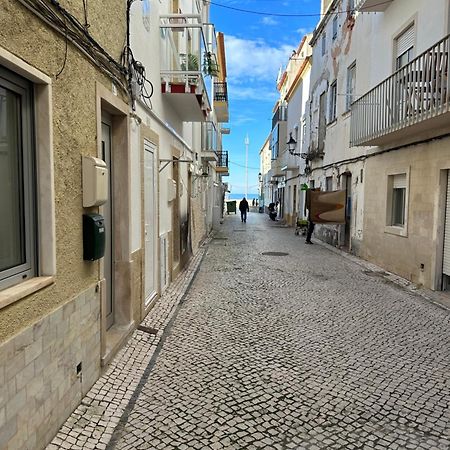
{"points": [[291, 145]]}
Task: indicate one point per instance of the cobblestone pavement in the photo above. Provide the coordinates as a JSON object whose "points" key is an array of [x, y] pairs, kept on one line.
{"points": [[310, 350]]}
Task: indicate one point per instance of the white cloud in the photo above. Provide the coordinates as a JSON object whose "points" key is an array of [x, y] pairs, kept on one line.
{"points": [[254, 59], [256, 92], [269, 21]]}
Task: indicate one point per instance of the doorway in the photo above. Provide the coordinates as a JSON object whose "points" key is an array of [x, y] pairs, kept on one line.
{"points": [[150, 226], [446, 256], [108, 213], [348, 210]]}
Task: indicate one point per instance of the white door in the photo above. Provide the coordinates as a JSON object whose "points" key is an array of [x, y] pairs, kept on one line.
{"points": [[446, 263], [150, 221]]}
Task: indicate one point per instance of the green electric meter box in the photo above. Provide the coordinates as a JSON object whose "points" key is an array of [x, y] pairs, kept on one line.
{"points": [[93, 237]]}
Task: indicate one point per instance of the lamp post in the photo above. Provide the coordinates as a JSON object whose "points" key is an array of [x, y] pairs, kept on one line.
{"points": [[292, 145]]}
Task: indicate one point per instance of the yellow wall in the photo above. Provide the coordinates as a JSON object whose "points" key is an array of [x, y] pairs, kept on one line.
{"points": [[74, 134], [404, 255]]}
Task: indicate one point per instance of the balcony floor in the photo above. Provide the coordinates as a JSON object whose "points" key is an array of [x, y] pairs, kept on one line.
{"points": [[425, 129]]}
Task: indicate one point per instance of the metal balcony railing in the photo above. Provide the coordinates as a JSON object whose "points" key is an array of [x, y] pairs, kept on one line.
{"points": [[188, 50], [417, 92], [220, 92], [209, 137], [222, 159]]}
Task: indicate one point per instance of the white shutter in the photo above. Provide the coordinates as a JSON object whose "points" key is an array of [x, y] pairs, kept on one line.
{"points": [[446, 264], [405, 41], [399, 181]]}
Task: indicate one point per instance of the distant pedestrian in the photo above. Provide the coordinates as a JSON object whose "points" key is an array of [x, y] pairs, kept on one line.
{"points": [[256, 202], [243, 208], [253, 202]]}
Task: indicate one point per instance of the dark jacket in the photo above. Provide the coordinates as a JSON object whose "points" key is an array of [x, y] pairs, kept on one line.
{"points": [[243, 205]]}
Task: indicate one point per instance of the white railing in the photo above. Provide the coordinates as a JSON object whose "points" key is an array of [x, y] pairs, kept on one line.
{"points": [[186, 55], [416, 92]]}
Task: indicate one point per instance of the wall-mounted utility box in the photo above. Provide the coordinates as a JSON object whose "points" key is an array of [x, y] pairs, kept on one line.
{"points": [[171, 189], [95, 181], [93, 237]]}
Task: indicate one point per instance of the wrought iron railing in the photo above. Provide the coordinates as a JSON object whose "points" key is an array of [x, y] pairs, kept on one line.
{"points": [[222, 159], [220, 91], [416, 92]]}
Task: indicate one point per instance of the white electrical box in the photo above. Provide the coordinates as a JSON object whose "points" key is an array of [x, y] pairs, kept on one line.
{"points": [[171, 189], [95, 181]]}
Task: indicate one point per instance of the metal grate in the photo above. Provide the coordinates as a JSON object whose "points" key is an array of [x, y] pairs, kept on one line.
{"points": [[274, 254]]}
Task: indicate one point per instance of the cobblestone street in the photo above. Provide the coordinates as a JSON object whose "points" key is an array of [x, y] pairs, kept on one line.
{"points": [[309, 350]]}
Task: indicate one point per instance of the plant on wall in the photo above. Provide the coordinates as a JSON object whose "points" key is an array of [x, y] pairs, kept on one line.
{"points": [[192, 63], [210, 66]]}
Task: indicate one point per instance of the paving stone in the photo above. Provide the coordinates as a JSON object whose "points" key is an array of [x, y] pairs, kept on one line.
{"points": [[309, 350]]}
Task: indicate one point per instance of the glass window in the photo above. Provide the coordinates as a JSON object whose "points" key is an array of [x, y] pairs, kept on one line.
{"points": [[398, 202], [404, 47], [335, 27], [351, 82], [16, 178], [333, 98], [324, 43]]}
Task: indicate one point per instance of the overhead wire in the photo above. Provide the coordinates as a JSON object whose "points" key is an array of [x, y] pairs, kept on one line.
{"points": [[293, 15]]}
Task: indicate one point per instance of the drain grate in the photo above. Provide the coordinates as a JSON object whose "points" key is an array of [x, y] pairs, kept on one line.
{"points": [[274, 254], [220, 239]]}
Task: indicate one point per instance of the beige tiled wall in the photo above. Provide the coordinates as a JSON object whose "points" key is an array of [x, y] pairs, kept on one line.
{"points": [[39, 386]]}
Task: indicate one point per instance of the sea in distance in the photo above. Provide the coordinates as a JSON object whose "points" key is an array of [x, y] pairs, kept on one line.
{"points": [[241, 196]]}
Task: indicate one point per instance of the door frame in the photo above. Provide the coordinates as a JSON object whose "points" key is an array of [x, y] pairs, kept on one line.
{"points": [[113, 338], [440, 201], [148, 300], [109, 223]]}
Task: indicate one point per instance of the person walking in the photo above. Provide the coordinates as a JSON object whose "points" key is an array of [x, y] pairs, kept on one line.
{"points": [[243, 208], [311, 224]]}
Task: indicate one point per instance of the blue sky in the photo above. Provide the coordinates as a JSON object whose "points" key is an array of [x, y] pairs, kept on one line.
{"points": [[256, 47]]}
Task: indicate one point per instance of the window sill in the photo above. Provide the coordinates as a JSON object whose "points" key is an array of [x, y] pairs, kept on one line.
{"points": [[397, 231], [19, 291], [332, 123]]}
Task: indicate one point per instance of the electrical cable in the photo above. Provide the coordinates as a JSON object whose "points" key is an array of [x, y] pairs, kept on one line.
{"points": [[262, 13], [65, 57]]}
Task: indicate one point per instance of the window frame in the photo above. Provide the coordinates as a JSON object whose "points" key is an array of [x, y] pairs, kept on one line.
{"points": [[332, 111], [351, 85], [390, 226], [24, 90], [408, 52], [335, 27]]}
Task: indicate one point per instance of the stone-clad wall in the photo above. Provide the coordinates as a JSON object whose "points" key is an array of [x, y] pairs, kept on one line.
{"points": [[39, 385]]}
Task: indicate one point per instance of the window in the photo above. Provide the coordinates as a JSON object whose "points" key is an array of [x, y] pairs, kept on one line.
{"points": [[398, 200], [324, 43], [351, 6], [275, 142], [329, 183], [335, 27], [404, 47], [17, 190], [351, 82], [333, 98]]}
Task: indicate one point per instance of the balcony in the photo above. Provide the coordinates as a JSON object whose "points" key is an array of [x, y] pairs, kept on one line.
{"points": [[279, 116], [209, 142], [372, 5], [222, 163], [410, 104], [221, 101], [183, 52]]}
